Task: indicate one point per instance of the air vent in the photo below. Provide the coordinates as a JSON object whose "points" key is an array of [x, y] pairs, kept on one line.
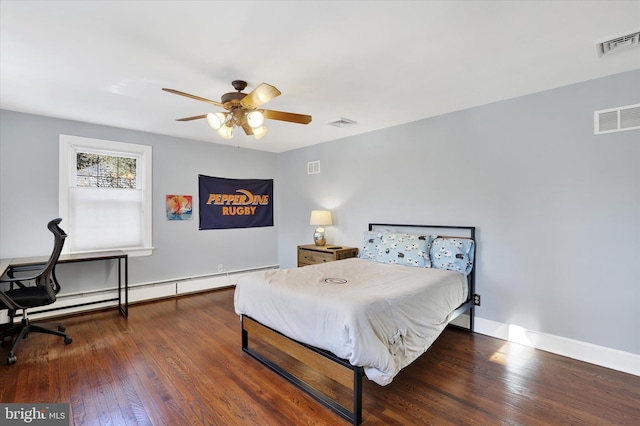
{"points": [[313, 167], [343, 122], [617, 119], [617, 43]]}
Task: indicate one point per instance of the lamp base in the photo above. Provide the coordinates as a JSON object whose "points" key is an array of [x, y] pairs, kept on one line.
{"points": [[320, 237]]}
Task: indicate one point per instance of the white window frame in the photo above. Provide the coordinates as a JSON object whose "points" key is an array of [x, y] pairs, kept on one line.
{"points": [[69, 145]]}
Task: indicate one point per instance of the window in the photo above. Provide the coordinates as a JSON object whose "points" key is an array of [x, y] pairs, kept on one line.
{"points": [[105, 195]]}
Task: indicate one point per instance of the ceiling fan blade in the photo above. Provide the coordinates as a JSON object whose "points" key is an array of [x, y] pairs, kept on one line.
{"points": [[195, 117], [286, 116], [197, 98], [247, 129], [258, 96]]}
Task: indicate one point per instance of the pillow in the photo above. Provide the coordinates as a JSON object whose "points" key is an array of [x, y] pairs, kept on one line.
{"points": [[455, 254], [396, 247]]}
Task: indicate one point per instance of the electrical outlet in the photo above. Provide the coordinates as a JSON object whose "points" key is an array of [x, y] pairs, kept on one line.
{"points": [[476, 299], [220, 267]]}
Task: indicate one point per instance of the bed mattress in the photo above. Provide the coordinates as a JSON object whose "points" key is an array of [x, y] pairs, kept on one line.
{"points": [[377, 316]]}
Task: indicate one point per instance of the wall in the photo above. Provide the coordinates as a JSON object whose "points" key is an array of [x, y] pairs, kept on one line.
{"points": [[557, 208], [29, 199]]}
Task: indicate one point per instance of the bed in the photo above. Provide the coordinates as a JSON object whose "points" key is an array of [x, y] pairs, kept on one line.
{"points": [[324, 327]]}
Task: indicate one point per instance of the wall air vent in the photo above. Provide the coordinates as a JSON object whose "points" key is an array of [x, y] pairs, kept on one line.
{"points": [[617, 119], [313, 167], [343, 122], [617, 43]]}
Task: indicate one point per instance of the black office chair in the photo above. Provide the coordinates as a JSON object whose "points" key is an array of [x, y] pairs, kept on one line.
{"points": [[32, 291]]}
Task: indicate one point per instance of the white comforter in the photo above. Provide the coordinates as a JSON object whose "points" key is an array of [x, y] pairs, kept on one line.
{"points": [[382, 318]]}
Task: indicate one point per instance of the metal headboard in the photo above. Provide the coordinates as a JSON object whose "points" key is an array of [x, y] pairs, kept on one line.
{"points": [[461, 232]]}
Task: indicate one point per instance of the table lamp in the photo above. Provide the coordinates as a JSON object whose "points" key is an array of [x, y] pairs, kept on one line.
{"points": [[320, 218]]}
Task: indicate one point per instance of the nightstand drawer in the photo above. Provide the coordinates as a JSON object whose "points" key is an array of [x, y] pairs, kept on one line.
{"points": [[310, 257]]}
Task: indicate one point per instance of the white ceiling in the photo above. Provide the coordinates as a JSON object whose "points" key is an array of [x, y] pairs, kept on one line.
{"points": [[380, 63]]}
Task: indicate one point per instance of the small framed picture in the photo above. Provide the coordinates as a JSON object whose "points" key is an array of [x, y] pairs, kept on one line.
{"points": [[179, 207]]}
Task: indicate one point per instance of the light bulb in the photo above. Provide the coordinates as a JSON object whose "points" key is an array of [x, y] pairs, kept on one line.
{"points": [[255, 119]]}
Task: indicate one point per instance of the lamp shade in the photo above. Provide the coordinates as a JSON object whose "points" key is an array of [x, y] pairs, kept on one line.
{"points": [[260, 132], [226, 131], [216, 120], [320, 217]]}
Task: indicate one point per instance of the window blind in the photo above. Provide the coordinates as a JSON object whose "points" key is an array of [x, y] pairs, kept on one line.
{"points": [[105, 218]]}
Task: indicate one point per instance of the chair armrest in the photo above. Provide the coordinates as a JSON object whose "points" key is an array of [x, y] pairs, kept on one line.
{"points": [[18, 279], [19, 283]]}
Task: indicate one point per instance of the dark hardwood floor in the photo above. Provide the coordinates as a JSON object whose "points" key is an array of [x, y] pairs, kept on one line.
{"points": [[179, 362]]}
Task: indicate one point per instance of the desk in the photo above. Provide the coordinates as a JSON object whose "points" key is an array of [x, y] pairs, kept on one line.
{"points": [[32, 263]]}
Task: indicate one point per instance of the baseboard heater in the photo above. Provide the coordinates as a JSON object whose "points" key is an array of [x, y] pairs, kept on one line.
{"points": [[141, 292]]}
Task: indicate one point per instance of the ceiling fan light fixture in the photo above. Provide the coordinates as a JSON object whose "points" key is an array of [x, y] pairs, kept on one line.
{"points": [[255, 119], [216, 120], [242, 110], [226, 131], [260, 132]]}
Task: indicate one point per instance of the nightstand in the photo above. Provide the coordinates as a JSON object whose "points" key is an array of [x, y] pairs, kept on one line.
{"points": [[311, 254]]}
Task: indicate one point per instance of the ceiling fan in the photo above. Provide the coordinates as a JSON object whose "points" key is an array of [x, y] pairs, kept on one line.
{"points": [[242, 110]]}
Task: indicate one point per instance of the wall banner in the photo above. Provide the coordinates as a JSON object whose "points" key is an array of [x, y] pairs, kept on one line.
{"points": [[235, 203]]}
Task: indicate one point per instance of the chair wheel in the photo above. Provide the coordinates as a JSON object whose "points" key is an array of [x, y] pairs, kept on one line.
{"points": [[68, 340], [61, 328], [11, 360]]}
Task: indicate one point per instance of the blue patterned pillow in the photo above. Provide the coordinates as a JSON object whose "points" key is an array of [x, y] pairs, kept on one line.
{"points": [[455, 254], [396, 247]]}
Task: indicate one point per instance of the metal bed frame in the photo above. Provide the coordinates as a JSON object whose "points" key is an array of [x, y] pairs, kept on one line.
{"points": [[338, 369]]}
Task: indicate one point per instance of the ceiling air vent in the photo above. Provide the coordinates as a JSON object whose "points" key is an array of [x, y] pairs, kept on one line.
{"points": [[343, 122], [617, 119], [616, 43]]}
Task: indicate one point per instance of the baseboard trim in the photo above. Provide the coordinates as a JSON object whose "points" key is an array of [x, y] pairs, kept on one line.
{"points": [[599, 355]]}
